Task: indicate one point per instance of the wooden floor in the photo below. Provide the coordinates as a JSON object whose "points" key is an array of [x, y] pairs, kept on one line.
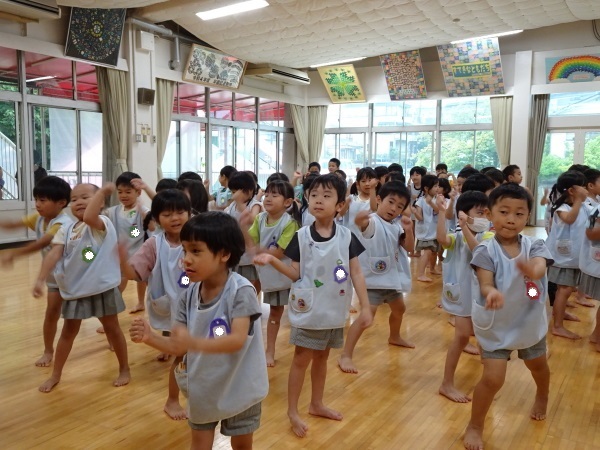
{"points": [[391, 404]]}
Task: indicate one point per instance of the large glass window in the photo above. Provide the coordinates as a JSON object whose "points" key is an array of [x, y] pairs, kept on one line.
{"points": [[221, 104], [271, 112], [267, 156], [90, 125], [470, 110], [170, 166], [349, 148], [407, 149], [221, 152], [244, 149], [459, 148], [245, 108], [348, 115], [591, 155], [48, 76], [574, 104], [407, 113], [10, 154], [9, 72]]}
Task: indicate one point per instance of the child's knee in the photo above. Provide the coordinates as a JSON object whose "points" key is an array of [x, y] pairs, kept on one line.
{"points": [[493, 381]]}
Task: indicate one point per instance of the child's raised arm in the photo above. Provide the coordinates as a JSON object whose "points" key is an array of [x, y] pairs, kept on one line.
{"points": [[466, 231], [8, 257], [418, 212], [373, 182], [534, 268], [408, 243], [493, 297], [12, 224], [441, 232], [230, 343], [48, 264], [362, 220], [91, 216], [291, 271], [140, 331], [450, 209], [140, 185]]}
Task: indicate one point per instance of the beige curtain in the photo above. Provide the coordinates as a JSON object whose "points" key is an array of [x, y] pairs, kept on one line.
{"points": [[114, 102], [538, 126], [300, 120], [164, 109], [317, 118], [502, 124]]}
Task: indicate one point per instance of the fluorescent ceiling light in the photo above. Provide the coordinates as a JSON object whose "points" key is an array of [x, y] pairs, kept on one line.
{"points": [[41, 78], [506, 33], [236, 8], [342, 61]]}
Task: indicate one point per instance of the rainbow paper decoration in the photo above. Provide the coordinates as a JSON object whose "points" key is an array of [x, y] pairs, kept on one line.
{"points": [[573, 69]]}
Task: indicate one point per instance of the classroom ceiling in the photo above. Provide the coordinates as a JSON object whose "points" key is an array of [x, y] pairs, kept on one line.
{"points": [[300, 33]]}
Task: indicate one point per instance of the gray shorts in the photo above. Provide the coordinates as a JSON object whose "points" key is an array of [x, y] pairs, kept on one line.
{"points": [[563, 276], [317, 339], [276, 298], [431, 244], [249, 272], [245, 422], [380, 296], [535, 351]]}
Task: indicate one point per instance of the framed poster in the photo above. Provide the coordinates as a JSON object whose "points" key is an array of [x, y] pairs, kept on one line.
{"points": [[95, 35], [573, 69], [404, 75], [213, 68], [342, 84]]}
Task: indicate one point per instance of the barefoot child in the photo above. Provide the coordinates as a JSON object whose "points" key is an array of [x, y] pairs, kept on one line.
{"points": [[217, 328], [159, 263], [272, 231], [457, 275], [589, 263], [324, 259], [363, 199], [425, 227], [381, 265], [51, 194], [509, 306], [87, 273]]}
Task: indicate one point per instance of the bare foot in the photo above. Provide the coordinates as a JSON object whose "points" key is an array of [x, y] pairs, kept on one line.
{"points": [[324, 411], [138, 308], [346, 365], [452, 321], [163, 357], [174, 410], [49, 384], [571, 305], [424, 279], [435, 272], [400, 342], [270, 359], [563, 332], [100, 330], [453, 394], [44, 360], [584, 302], [123, 378], [571, 317], [471, 349], [473, 438], [438, 305], [538, 411], [299, 427]]}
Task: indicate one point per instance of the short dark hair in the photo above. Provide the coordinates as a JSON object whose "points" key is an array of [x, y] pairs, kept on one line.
{"points": [[165, 183], [428, 181], [395, 167], [314, 164], [470, 200], [336, 161], [53, 188], [579, 168], [442, 166], [227, 171], [242, 181], [341, 173], [331, 180], [510, 190], [591, 176], [277, 176], [444, 185], [219, 231], [478, 182], [394, 188], [495, 175], [198, 194], [169, 200], [395, 176], [510, 170], [189, 176], [466, 172], [125, 179], [365, 172], [381, 171], [418, 169]]}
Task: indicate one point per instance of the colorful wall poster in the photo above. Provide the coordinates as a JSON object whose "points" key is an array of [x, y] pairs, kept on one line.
{"points": [[404, 75], [472, 68], [573, 69], [342, 84], [211, 67]]}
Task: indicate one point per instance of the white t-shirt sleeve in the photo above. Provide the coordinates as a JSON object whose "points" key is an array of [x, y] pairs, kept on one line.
{"points": [[370, 230]]}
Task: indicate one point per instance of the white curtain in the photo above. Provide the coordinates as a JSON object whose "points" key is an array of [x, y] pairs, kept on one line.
{"points": [[317, 118], [300, 120], [537, 137], [164, 109], [501, 108], [114, 102]]}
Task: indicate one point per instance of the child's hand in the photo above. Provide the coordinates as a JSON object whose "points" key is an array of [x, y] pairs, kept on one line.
{"points": [[263, 259], [139, 331], [440, 201], [108, 188], [373, 182], [38, 288], [180, 339], [6, 260], [362, 218], [579, 193], [406, 223], [206, 184], [453, 193], [297, 175], [246, 218], [494, 300], [462, 219], [139, 184]]}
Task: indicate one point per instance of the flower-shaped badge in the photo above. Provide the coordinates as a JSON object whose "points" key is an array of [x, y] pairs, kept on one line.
{"points": [[134, 231], [532, 290], [88, 255], [219, 328]]}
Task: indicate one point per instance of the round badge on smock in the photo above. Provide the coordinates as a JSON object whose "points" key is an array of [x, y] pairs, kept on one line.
{"points": [[88, 255], [134, 231], [219, 328], [183, 281]]}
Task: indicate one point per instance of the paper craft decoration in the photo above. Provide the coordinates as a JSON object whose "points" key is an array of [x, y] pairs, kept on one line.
{"points": [[341, 83], [95, 35], [573, 69], [404, 75], [472, 68], [211, 67]]}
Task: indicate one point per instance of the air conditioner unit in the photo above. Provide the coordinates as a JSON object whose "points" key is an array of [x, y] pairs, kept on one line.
{"points": [[29, 10], [277, 73]]}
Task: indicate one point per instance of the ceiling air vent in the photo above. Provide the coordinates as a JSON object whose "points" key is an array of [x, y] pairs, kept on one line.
{"points": [[29, 10], [277, 73]]}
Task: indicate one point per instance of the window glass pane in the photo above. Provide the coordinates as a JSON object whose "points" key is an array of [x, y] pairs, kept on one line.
{"points": [[387, 114], [418, 150], [387, 149], [267, 156], [271, 112], [169, 165], [333, 116], [485, 150], [457, 149], [245, 108], [420, 112], [244, 149], [221, 152], [87, 83], [329, 151], [192, 137], [48, 76], [351, 153], [354, 115], [10, 154], [190, 99], [9, 80], [91, 147], [221, 104], [458, 111], [557, 158], [591, 156], [484, 112], [574, 103]]}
